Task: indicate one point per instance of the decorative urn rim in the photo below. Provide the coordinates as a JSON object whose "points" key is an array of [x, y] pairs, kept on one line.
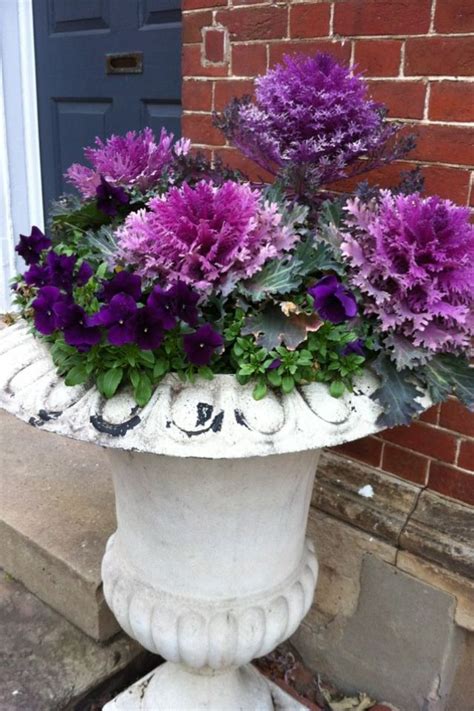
{"points": [[211, 419]]}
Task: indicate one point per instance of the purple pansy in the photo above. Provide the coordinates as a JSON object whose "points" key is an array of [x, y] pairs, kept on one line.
{"points": [[73, 320], [84, 274], [332, 300], [44, 309], [37, 275], [122, 283], [61, 270], [274, 364], [176, 303], [110, 198], [354, 348], [31, 246], [148, 327], [117, 316], [201, 345]]}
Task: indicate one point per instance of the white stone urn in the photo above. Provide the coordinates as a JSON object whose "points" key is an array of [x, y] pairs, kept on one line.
{"points": [[209, 566]]}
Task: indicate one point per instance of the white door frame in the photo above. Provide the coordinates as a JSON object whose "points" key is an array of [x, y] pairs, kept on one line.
{"points": [[21, 195]]}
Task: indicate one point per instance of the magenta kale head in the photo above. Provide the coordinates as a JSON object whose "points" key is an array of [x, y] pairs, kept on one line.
{"points": [[206, 236], [413, 260], [134, 160], [311, 116]]}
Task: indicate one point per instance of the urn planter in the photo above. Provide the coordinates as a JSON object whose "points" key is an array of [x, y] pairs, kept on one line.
{"points": [[209, 566]]}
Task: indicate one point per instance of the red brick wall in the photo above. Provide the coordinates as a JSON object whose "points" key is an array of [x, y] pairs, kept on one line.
{"points": [[418, 56]]}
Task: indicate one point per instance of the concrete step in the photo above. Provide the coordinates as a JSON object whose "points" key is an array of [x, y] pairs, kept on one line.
{"points": [[47, 664], [56, 513]]}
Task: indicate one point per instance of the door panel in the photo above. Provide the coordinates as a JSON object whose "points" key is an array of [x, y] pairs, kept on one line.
{"points": [[78, 99]]}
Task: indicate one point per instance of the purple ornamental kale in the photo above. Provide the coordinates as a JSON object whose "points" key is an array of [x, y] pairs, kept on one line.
{"points": [[201, 345], [207, 236], [31, 246], [110, 198], [413, 260], [312, 118], [133, 160], [332, 300]]}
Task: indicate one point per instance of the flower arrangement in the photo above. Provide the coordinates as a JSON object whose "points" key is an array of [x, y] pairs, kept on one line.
{"points": [[167, 263]]}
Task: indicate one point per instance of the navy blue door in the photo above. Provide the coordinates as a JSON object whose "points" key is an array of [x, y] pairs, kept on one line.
{"points": [[103, 67]]}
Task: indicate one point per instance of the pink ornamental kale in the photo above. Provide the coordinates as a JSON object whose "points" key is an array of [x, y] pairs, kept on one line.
{"points": [[311, 115], [135, 159], [413, 259], [207, 236]]}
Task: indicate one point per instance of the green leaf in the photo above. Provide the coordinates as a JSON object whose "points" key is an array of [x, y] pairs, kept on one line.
{"points": [[337, 388], [274, 378], [110, 381], [396, 394], [271, 327], [446, 374], [134, 377], [143, 391], [206, 373], [147, 357], [287, 383], [260, 390], [76, 376], [161, 368]]}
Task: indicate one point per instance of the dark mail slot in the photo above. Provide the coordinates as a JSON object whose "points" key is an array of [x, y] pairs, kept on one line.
{"points": [[124, 63]]}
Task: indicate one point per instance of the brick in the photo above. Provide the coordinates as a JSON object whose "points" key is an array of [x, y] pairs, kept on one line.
{"points": [[452, 482], [197, 4], [430, 415], [192, 66], [466, 455], [215, 44], [368, 450], [451, 183], [378, 58], [381, 17], [197, 95], [439, 56], [454, 416], [225, 91], [339, 50], [444, 144], [404, 99], [255, 23], [454, 16], [251, 170], [451, 101], [308, 20], [193, 22], [199, 128], [249, 60], [424, 439], [405, 464]]}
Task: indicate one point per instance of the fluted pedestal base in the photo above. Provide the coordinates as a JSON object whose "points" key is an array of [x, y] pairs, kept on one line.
{"points": [[172, 688]]}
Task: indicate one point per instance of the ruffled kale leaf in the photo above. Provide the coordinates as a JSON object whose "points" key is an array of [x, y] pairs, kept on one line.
{"points": [[404, 353], [271, 327], [447, 374], [397, 393]]}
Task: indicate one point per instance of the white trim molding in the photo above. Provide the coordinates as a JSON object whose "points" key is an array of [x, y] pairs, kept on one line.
{"points": [[21, 199]]}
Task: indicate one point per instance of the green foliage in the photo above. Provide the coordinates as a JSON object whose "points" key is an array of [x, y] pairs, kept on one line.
{"points": [[445, 375], [397, 393]]}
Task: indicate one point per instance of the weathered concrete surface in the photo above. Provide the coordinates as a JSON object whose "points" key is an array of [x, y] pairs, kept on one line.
{"points": [[401, 643], [45, 662], [56, 513]]}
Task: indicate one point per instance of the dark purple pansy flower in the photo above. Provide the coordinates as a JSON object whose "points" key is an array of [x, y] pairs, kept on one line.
{"points": [[122, 283], [37, 275], [274, 364], [117, 317], [31, 246], [354, 348], [200, 345], [109, 197], [73, 320], [332, 300], [84, 274], [44, 308], [176, 303], [148, 329], [61, 269]]}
